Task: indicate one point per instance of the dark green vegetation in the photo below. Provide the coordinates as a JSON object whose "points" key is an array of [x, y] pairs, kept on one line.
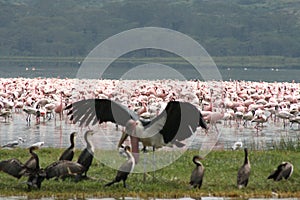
{"points": [[228, 30], [172, 181]]}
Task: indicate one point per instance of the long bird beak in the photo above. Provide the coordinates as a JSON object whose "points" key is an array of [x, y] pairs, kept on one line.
{"points": [[202, 123], [134, 145], [122, 139]]}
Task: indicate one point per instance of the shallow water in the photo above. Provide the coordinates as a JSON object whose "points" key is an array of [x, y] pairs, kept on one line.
{"points": [[55, 133], [236, 73]]}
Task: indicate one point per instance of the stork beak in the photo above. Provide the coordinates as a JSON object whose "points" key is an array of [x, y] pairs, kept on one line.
{"points": [[202, 123], [123, 138]]}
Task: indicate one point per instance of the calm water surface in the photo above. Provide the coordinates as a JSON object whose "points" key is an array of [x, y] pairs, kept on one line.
{"points": [[55, 133], [238, 73]]}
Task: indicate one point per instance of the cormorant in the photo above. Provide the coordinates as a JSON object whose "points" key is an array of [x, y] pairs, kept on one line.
{"points": [[12, 167], [63, 168], [198, 173], [32, 169], [125, 169], [17, 169], [87, 155], [68, 154], [284, 170], [244, 172], [32, 164]]}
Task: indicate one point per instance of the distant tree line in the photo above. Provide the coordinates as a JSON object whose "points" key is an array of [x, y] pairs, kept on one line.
{"points": [[224, 28]]}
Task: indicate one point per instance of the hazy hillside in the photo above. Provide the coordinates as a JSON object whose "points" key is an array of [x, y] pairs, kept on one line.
{"points": [[223, 27]]}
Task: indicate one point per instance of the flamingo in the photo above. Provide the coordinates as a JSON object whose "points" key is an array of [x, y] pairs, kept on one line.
{"points": [[6, 114], [248, 117], [29, 111], [284, 115], [59, 109], [260, 117]]}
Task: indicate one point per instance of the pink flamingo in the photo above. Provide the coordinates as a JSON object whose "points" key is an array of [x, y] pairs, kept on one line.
{"points": [[59, 109]]}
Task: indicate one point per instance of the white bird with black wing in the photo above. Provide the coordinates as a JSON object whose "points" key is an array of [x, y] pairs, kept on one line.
{"points": [[177, 122], [283, 171]]}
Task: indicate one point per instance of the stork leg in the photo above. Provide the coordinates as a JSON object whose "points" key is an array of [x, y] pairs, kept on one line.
{"points": [[145, 168], [154, 163]]}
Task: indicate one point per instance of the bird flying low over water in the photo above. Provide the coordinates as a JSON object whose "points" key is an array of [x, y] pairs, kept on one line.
{"points": [[284, 170], [177, 122]]}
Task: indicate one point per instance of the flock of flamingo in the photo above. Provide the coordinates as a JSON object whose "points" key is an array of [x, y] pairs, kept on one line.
{"points": [[239, 102]]}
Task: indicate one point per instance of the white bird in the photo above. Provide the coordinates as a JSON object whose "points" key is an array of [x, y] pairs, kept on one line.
{"points": [[284, 170], [237, 145], [14, 143], [125, 169], [29, 111], [177, 122], [5, 114], [37, 144]]}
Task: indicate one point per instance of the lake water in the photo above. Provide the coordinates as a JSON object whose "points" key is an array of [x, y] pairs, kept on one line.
{"points": [[238, 73]]}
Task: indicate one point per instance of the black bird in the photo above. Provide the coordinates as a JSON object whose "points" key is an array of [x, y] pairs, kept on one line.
{"points": [[12, 167], [68, 154], [32, 164], [63, 168], [244, 172], [284, 170], [17, 169], [177, 122], [125, 169], [32, 168], [198, 173], [87, 155]]}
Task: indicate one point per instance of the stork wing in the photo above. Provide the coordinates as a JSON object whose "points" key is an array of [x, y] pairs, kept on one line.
{"points": [[91, 111], [177, 122]]}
